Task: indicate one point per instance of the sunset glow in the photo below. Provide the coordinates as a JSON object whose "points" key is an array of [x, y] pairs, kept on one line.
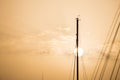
{"points": [[80, 52], [38, 38]]}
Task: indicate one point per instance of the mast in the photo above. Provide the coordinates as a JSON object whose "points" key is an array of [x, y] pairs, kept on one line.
{"points": [[77, 44]]}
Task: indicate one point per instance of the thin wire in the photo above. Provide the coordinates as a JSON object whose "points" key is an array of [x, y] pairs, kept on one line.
{"points": [[42, 76], [84, 70], [117, 72], [94, 75], [114, 65], [106, 62], [71, 68], [74, 68], [104, 67]]}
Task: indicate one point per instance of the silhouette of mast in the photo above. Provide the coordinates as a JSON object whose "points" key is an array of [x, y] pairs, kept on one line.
{"points": [[77, 44]]}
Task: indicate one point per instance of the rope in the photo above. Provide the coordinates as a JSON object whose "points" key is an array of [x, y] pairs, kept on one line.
{"points": [[72, 68], [117, 72], [99, 61], [114, 65], [84, 70], [106, 62]]}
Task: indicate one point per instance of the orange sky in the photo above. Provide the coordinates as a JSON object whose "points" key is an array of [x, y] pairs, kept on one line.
{"points": [[39, 35]]}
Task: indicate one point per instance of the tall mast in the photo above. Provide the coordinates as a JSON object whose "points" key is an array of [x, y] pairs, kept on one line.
{"points": [[77, 44]]}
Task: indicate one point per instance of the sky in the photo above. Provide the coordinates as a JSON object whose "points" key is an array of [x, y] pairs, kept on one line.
{"points": [[37, 37]]}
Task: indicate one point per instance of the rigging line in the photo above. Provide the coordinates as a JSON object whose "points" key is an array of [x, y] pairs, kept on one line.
{"points": [[115, 65], [117, 71], [71, 68], [74, 65], [74, 68], [105, 64], [111, 44], [104, 67], [42, 76], [114, 38], [98, 63], [84, 69], [94, 75], [80, 70]]}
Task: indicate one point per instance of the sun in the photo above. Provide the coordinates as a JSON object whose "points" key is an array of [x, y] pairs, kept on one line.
{"points": [[80, 52]]}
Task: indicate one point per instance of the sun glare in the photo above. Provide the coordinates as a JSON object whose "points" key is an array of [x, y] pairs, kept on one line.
{"points": [[80, 52]]}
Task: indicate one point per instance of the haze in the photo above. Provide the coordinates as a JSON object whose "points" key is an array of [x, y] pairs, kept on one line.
{"points": [[37, 37]]}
